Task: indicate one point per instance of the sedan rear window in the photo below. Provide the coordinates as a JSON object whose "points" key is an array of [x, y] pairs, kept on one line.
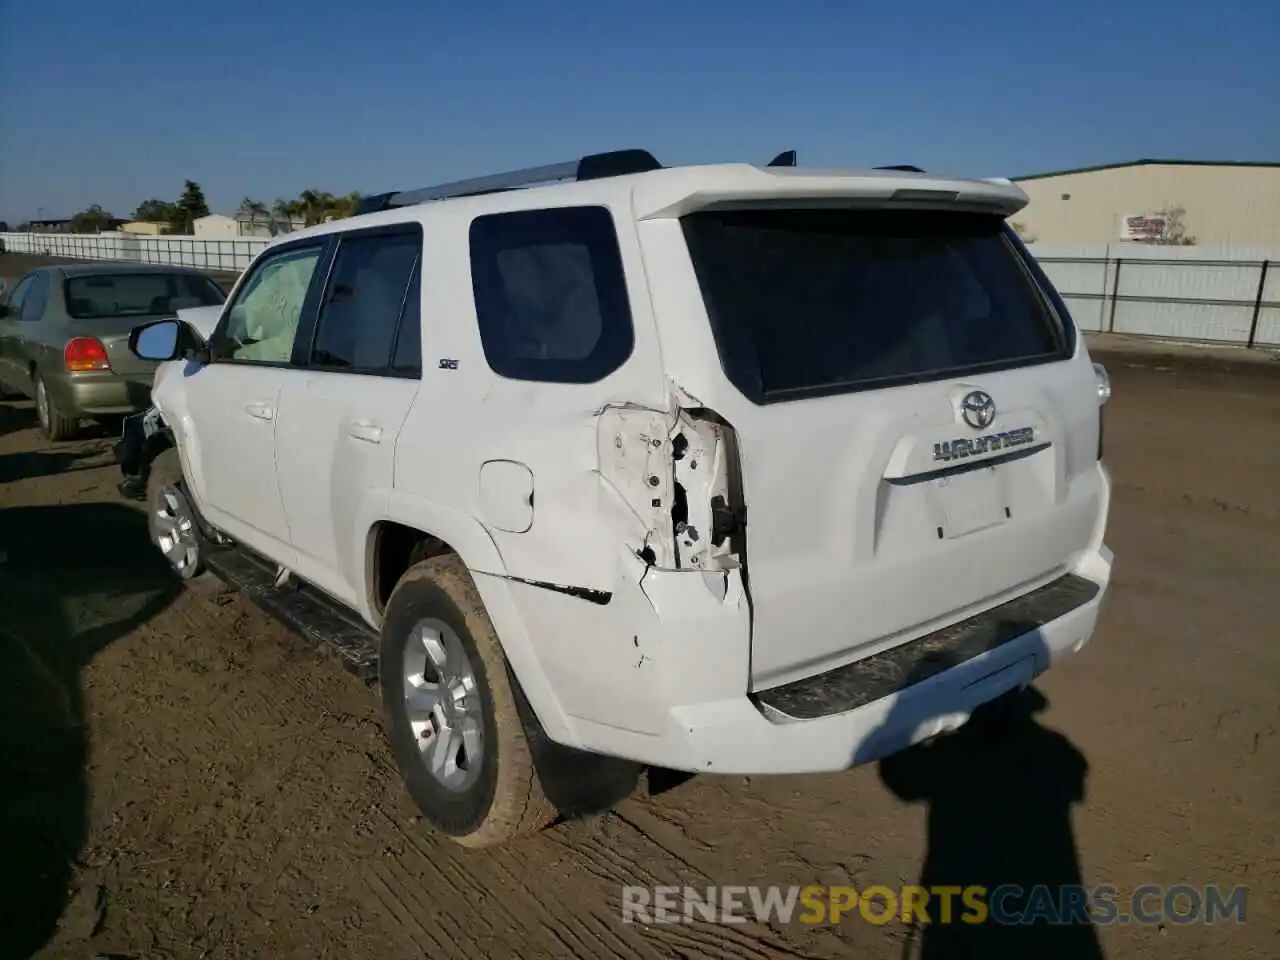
{"points": [[810, 302], [102, 295]]}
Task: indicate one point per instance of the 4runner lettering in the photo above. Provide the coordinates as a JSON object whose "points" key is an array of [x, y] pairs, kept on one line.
{"points": [[971, 446]]}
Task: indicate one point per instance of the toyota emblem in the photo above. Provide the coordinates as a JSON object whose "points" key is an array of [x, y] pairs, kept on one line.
{"points": [[978, 409]]}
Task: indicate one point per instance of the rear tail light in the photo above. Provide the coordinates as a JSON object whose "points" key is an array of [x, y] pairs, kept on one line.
{"points": [[1103, 381], [84, 354]]}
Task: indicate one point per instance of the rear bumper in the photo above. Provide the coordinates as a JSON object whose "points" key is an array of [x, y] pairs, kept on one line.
{"points": [[99, 394], [783, 730]]}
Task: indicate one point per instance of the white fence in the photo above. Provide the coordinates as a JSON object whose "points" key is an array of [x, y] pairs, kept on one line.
{"points": [[1225, 296], [1177, 293], [229, 256]]}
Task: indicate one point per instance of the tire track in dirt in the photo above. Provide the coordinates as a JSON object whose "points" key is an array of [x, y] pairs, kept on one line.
{"points": [[244, 804]]}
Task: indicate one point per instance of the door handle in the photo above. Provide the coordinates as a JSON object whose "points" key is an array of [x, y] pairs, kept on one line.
{"points": [[368, 432], [260, 411]]}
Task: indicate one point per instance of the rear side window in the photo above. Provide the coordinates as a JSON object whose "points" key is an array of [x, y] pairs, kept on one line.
{"points": [[101, 295], [551, 298], [807, 302], [367, 293], [37, 298], [18, 295]]}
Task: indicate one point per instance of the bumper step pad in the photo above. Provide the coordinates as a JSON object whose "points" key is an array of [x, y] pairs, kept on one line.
{"points": [[857, 684]]}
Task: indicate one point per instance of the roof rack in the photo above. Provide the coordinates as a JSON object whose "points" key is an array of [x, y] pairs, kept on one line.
{"points": [[905, 167], [594, 166], [591, 167]]}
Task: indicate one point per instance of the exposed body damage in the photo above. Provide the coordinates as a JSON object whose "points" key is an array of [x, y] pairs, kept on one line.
{"points": [[674, 470]]}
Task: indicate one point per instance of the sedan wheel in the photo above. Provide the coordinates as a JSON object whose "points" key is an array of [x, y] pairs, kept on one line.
{"points": [[42, 405], [53, 425]]}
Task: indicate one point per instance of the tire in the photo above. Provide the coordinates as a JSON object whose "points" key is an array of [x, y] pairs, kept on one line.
{"points": [[172, 519], [53, 425], [435, 606]]}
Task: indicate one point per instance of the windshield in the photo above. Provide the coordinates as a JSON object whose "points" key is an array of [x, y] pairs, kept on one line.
{"points": [[102, 295], [805, 302]]}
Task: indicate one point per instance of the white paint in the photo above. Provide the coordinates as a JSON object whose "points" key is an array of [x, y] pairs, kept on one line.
{"points": [[574, 485]]}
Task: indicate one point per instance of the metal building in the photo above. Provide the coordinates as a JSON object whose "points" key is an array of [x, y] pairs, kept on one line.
{"points": [[1209, 204]]}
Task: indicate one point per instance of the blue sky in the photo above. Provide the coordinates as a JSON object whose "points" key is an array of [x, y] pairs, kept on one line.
{"points": [[114, 102]]}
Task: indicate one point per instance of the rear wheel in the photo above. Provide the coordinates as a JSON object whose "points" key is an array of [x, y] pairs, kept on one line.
{"points": [[450, 706], [53, 425]]}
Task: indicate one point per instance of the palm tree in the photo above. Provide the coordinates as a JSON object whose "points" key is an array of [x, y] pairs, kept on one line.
{"points": [[314, 205], [255, 210], [282, 213]]}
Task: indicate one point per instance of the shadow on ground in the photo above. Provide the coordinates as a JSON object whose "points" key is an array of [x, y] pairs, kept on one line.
{"points": [[73, 579], [15, 414], [999, 792]]}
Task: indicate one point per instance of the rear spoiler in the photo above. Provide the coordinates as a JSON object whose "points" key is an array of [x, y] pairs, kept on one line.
{"points": [[741, 186]]}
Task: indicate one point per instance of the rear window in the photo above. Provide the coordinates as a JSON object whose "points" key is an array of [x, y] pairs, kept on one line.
{"points": [[808, 302], [102, 295]]}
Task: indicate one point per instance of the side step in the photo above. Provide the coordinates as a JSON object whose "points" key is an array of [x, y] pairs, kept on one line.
{"points": [[299, 606]]}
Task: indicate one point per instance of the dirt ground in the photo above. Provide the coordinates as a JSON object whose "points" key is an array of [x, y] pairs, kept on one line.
{"points": [[180, 777]]}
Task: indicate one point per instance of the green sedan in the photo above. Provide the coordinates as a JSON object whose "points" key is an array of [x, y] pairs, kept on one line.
{"points": [[64, 337]]}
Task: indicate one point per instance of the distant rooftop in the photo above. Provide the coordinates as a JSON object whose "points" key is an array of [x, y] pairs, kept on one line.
{"points": [[1151, 162]]}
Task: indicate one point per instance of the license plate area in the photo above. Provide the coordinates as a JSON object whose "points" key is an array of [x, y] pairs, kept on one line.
{"points": [[967, 501]]}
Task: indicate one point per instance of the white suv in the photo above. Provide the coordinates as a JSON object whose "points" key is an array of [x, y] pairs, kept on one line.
{"points": [[729, 469]]}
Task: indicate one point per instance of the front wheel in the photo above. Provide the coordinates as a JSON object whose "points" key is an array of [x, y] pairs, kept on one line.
{"points": [[171, 517], [449, 702]]}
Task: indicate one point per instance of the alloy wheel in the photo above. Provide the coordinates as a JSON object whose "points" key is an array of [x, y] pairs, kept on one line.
{"points": [[443, 705]]}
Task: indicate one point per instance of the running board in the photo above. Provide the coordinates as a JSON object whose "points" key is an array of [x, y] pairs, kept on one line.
{"points": [[300, 607]]}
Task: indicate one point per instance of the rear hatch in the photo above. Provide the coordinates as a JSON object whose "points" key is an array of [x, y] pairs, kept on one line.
{"points": [[916, 433], [109, 306]]}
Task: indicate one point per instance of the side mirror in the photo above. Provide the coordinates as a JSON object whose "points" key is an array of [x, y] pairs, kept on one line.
{"points": [[163, 340]]}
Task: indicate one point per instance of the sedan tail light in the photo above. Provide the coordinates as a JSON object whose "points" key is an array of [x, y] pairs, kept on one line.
{"points": [[86, 353]]}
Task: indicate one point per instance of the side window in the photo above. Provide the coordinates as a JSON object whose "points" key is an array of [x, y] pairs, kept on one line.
{"points": [[35, 299], [362, 306], [18, 295], [407, 359], [551, 297], [263, 320]]}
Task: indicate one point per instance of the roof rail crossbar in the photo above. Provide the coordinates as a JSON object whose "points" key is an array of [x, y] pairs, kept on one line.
{"points": [[591, 167]]}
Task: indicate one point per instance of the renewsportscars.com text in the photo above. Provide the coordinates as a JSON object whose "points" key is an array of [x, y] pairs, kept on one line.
{"points": [[1009, 904]]}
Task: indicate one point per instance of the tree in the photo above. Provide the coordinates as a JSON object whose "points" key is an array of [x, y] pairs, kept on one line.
{"points": [[93, 220], [154, 211], [317, 206], [282, 215], [1020, 229], [190, 207], [1174, 232], [255, 211]]}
